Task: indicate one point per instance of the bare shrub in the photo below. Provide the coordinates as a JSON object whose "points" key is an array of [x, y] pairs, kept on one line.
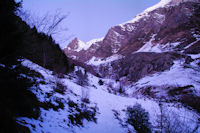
{"points": [[49, 23], [172, 122], [82, 80]]}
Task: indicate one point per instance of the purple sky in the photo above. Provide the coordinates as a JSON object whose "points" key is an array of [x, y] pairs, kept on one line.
{"points": [[90, 19]]}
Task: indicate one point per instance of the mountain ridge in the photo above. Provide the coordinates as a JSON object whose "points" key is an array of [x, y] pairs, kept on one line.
{"points": [[169, 26]]}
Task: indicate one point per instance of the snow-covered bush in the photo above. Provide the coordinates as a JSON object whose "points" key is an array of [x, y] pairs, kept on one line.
{"points": [[137, 117]]}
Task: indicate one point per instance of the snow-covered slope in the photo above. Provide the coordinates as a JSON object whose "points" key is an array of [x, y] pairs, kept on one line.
{"points": [[181, 80], [176, 76], [106, 111]]}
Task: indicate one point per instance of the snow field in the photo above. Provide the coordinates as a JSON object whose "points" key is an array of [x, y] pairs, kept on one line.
{"points": [[56, 121]]}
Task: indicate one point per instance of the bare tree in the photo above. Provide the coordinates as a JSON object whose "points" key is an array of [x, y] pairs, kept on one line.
{"points": [[82, 80], [50, 23]]}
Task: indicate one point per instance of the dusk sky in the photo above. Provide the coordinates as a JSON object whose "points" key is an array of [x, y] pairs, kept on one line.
{"points": [[89, 19]]}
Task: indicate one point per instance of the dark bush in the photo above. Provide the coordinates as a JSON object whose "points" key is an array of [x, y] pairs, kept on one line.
{"points": [[191, 101], [101, 82], [79, 113], [138, 118]]}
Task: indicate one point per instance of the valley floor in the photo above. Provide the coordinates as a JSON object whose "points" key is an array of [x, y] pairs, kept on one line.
{"points": [[92, 109]]}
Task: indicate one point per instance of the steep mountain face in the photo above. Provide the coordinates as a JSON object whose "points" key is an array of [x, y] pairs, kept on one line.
{"points": [[149, 41]]}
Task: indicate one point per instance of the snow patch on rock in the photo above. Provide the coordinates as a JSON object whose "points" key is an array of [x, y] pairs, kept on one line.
{"points": [[98, 61], [157, 48], [194, 56], [159, 18], [198, 39], [85, 46]]}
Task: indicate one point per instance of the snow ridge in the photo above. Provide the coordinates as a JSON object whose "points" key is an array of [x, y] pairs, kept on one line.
{"points": [[161, 4], [94, 41]]}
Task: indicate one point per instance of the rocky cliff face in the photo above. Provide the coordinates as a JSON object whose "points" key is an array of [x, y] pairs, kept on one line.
{"points": [[146, 44]]}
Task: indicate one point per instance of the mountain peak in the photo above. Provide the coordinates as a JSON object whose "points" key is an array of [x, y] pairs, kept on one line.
{"points": [[78, 45]]}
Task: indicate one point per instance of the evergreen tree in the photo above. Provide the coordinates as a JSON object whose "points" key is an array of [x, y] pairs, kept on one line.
{"points": [[10, 35]]}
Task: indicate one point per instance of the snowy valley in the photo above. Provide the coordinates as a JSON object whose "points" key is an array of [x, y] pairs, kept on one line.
{"points": [[97, 107], [142, 77]]}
